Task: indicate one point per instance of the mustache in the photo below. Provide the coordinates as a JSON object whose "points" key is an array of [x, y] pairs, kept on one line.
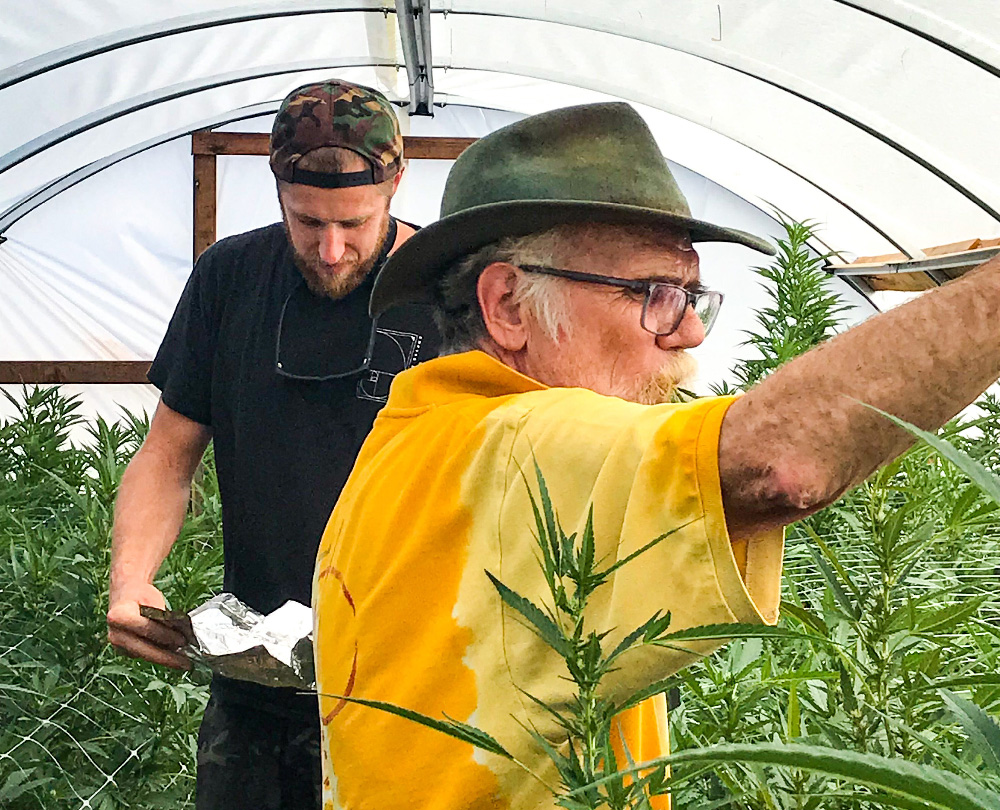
{"points": [[679, 370]]}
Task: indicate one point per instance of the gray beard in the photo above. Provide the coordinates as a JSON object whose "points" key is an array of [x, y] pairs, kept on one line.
{"points": [[663, 386]]}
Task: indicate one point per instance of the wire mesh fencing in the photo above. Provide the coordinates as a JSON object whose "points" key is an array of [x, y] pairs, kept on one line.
{"points": [[82, 727]]}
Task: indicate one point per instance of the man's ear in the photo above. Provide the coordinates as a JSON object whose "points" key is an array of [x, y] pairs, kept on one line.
{"points": [[502, 314], [396, 179]]}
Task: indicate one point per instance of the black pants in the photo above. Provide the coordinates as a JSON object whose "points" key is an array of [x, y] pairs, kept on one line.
{"points": [[252, 759]]}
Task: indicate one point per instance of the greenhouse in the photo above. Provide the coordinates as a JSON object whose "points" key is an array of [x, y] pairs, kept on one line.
{"points": [[857, 136]]}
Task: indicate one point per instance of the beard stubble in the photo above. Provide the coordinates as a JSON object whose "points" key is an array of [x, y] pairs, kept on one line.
{"points": [[343, 283], [679, 370]]}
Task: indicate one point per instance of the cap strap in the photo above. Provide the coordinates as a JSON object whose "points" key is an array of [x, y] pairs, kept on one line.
{"points": [[365, 177]]}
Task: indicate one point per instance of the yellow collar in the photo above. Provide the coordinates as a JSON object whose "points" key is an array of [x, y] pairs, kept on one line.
{"points": [[455, 377]]}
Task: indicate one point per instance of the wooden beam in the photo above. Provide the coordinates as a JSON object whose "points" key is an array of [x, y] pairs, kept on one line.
{"points": [[900, 282], [425, 148], [207, 142], [417, 147], [204, 202], [48, 372]]}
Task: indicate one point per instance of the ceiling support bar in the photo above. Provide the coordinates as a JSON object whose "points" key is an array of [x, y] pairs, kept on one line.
{"points": [[414, 17], [953, 262]]}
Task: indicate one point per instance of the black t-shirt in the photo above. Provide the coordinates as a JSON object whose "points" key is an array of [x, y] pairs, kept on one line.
{"points": [[284, 446]]}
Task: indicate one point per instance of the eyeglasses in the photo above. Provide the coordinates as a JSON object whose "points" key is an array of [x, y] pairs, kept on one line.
{"points": [[663, 305], [311, 344]]}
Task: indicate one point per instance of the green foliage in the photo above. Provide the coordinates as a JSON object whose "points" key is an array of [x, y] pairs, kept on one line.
{"points": [[900, 573], [804, 309], [81, 726], [889, 604], [878, 689]]}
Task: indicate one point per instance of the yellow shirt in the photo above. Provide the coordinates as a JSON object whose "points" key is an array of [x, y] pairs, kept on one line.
{"points": [[439, 495]]}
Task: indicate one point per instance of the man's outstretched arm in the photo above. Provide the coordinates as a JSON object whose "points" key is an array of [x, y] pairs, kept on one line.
{"points": [[800, 438], [149, 512]]}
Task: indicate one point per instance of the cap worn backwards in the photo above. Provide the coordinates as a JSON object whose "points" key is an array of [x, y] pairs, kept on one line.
{"points": [[336, 113]]}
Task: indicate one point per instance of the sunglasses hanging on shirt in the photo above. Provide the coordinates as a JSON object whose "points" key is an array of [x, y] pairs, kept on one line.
{"points": [[312, 342]]}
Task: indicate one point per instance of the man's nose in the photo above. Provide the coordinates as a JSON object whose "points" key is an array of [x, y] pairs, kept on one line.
{"points": [[331, 244], [690, 333]]}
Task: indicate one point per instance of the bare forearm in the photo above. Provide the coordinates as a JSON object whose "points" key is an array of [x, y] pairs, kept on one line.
{"points": [[149, 513], [804, 435]]}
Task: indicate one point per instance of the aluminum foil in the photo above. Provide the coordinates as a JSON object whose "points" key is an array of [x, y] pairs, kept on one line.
{"points": [[236, 641]]}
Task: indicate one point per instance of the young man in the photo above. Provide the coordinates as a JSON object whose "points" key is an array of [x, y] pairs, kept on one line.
{"points": [[565, 282], [271, 354]]}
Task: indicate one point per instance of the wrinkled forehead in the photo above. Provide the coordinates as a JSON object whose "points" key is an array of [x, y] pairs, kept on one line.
{"points": [[634, 251], [664, 237]]}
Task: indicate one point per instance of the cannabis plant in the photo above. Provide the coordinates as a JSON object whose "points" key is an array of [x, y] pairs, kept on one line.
{"points": [[804, 309], [899, 574], [884, 693], [81, 726]]}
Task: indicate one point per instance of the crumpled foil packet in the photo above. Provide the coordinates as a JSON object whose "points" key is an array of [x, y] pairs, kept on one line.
{"points": [[236, 641]]}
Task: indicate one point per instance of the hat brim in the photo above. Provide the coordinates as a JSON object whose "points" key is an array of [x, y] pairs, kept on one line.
{"points": [[411, 271]]}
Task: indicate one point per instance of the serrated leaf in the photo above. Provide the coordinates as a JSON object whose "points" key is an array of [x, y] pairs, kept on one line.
{"points": [[938, 789], [618, 564], [839, 594], [794, 725], [804, 616], [714, 632], [587, 549], [549, 545], [546, 629], [563, 764], [880, 800], [559, 718], [966, 681], [950, 616], [984, 734], [543, 492], [847, 689], [653, 689], [834, 561], [657, 628], [652, 627], [977, 473], [453, 728]]}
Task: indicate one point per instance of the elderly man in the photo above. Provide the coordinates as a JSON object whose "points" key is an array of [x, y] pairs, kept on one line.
{"points": [[565, 282], [271, 353]]}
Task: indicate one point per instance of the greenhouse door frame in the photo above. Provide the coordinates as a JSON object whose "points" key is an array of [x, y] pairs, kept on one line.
{"points": [[206, 146]]}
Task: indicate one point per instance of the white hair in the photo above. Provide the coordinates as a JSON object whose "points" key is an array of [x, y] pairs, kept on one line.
{"points": [[456, 307]]}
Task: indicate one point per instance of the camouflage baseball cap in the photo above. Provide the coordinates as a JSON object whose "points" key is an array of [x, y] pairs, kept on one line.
{"points": [[336, 113]]}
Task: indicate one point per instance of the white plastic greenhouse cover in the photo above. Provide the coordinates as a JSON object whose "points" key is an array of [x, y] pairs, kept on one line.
{"points": [[877, 119]]}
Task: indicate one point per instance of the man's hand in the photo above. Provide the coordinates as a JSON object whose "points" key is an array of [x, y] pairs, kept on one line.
{"points": [[139, 637], [152, 501]]}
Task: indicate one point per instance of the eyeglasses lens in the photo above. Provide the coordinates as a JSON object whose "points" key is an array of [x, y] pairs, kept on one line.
{"points": [[664, 309], [666, 305], [707, 309]]}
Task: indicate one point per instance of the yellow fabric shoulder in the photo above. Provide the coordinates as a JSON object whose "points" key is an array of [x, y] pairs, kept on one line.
{"points": [[440, 494]]}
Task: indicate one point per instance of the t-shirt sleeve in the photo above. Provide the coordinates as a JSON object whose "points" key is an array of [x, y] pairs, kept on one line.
{"points": [[642, 473], [182, 369]]}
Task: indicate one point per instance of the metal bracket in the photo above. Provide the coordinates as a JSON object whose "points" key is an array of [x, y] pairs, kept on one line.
{"points": [[929, 265], [414, 18]]}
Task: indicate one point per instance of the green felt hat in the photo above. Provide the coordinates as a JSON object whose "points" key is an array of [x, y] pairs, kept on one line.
{"points": [[591, 163]]}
